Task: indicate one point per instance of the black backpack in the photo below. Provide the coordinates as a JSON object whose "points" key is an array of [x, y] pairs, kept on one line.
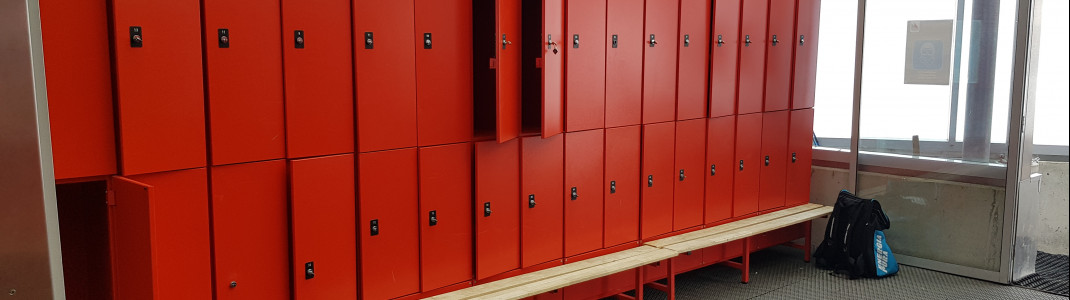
{"points": [[854, 242]]}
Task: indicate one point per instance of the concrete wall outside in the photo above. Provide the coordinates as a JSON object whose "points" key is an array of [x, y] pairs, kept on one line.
{"points": [[1055, 208]]}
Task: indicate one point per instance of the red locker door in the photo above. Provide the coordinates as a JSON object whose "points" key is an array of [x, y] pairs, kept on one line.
{"points": [[806, 39], [688, 198], [656, 204], [322, 218], [774, 159], [159, 236], [250, 231], [693, 61], [778, 62], [585, 89], [720, 151], [542, 214], [746, 164], [446, 221], [161, 114], [624, 68], [508, 66], [497, 212], [443, 71], [387, 197], [621, 187], [319, 77], [243, 51], [752, 56], [386, 79], [724, 54], [584, 202], [553, 72], [659, 61], [800, 156]]}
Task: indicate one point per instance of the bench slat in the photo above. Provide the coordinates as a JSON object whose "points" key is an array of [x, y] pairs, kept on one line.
{"points": [[748, 231], [661, 243]]}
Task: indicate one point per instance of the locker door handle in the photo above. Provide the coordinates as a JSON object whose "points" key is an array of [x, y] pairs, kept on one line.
{"points": [[746, 41], [551, 43], [650, 181], [775, 40], [575, 194], [432, 218], [375, 227], [767, 160], [741, 165], [575, 41], [299, 39], [653, 41], [682, 175], [505, 42], [687, 40], [531, 201], [224, 38], [720, 40], [713, 170], [614, 41], [486, 209], [310, 272], [369, 40], [427, 40], [802, 39], [136, 36], [613, 187], [793, 158]]}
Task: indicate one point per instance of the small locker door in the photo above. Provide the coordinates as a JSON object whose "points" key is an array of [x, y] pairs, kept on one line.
{"points": [[693, 64], [443, 71], [806, 40], [583, 191], [322, 217], [774, 159], [724, 55], [542, 206], [656, 204], [752, 56], [659, 61], [778, 62], [621, 187], [800, 156], [387, 197], [746, 165], [689, 182], [553, 72], [446, 220], [386, 74], [720, 151], [497, 212], [585, 89], [624, 62]]}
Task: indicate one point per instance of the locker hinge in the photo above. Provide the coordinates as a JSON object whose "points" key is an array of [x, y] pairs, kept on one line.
{"points": [[299, 39], [687, 40], [427, 40], [614, 41], [369, 40], [713, 170], [432, 218], [613, 187], [136, 37], [486, 209], [531, 201], [310, 270], [793, 158], [575, 193], [375, 227], [224, 38]]}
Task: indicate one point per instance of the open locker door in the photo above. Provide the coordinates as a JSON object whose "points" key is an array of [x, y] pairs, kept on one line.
{"points": [[553, 121], [323, 226], [496, 50]]}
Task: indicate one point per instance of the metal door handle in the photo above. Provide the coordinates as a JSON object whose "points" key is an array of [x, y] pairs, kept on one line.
{"points": [[746, 41], [486, 209], [550, 43], [793, 157], [741, 165], [775, 40], [687, 40], [575, 194], [650, 181], [713, 170], [767, 160], [802, 39], [653, 41], [427, 40], [433, 218], [531, 201], [575, 41], [613, 187], [375, 227], [720, 40], [505, 42], [682, 175]]}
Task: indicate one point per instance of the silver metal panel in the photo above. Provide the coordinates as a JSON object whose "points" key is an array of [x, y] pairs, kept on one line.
{"points": [[1023, 187]]}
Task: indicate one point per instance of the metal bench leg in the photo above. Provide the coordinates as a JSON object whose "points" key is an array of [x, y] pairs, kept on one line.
{"points": [[806, 242], [746, 260], [671, 280]]}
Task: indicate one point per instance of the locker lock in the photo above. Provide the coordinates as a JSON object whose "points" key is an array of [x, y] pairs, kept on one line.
{"points": [[310, 271], [369, 40], [432, 218], [575, 193], [720, 40], [486, 209], [575, 41], [531, 201], [650, 181], [802, 39], [224, 38], [746, 41], [741, 165], [614, 41], [687, 40], [505, 42], [653, 41], [551, 44], [299, 39], [233, 284], [613, 187], [135, 37], [775, 40], [682, 175], [375, 227], [793, 158], [767, 160], [427, 40], [713, 170]]}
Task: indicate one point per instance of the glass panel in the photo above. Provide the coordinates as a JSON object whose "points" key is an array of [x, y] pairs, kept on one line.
{"points": [[834, 95]]}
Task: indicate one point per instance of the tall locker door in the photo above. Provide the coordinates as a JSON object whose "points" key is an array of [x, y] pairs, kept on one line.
{"points": [[752, 56], [585, 70], [621, 185], [324, 234], [159, 236], [508, 56], [553, 63], [80, 106], [446, 220], [583, 191], [720, 151], [774, 159], [746, 165], [778, 56], [693, 64], [800, 156], [656, 204], [318, 59], [386, 74], [542, 163], [243, 52], [806, 39], [724, 55], [690, 160], [497, 211], [161, 114], [624, 62], [659, 61], [250, 231], [443, 71], [387, 197]]}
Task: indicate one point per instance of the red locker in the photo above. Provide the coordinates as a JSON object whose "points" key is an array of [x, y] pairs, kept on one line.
{"points": [[161, 114], [600, 287], [446, 220], [243, 52], [542, 214], [322, 218], [497, 69], [724, 54], [585, 89], [684, 262], [584, 202], [752, 56], [693, 64], [746, 164], [319, 77], [778, 57], [806, 40], [443, 71], [387, 197], [712, 255], [386, 74], [659, 61], [720, 151], [688, 198], [497, 212], [774, 159], [656, 204], [800, 156], [621, 187], [624, 70], [543, 67], [250, 231], [160, 236]]}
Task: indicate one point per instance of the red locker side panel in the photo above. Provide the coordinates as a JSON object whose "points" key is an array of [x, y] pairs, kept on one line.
{"points": [[688, 198], [720, 154], [250, 231], [553, 72], [584, 202], [318, 59], [323, 214], [713, 254], [388, 204], [159, 233], [585, 88], [542, 214], [624, 68], [79, 89], [446, 220], [806, 41], [621, 186], [724, 55], [593, 289], [443, 71], [386, 74], [161, 114], [497, 211], [778, 62], [659, 61], [775, 159], [693, 63], [800, 156], [747, 164], [656, 204], [509, 69], [752, 56]]}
